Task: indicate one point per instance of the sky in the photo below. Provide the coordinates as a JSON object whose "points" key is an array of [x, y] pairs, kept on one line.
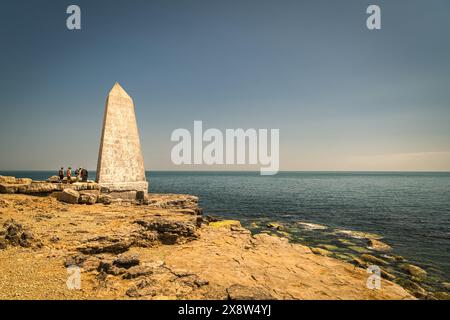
{"points": [[343, 97]]}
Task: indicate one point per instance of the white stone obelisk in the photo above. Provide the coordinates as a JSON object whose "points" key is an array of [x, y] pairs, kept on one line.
{"points": [[120, 167]]}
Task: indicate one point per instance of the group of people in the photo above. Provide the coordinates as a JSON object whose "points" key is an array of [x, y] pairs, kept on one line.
{"points": [[80, 173]]}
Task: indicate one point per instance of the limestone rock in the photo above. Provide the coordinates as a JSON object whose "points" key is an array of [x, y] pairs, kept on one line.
{"points": [[170, 232], [105, 199], [16, 235], [311, 226], [69, 196], [415, 289], [225, 224], [24, 180], [8, 188], [359, 262], [7, 179], [39, 188], [358, 234], [442, 295], [387, 275], [377, 245], [126, 261], [373, 259], [53, 179], [88, 198], [105, 245], [137, 271], [320, 251], [415, 271], [274, 225], [240, 292]]}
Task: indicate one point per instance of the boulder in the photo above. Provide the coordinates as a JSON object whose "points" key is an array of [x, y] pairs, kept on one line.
{"points": [[69, 196], [7, 179], [377, 245], [127, 261], [137, 271], [274, 225], [53, 179], [16, 235], [88, 198], [104, 198], [105, 245], [415, 271]]}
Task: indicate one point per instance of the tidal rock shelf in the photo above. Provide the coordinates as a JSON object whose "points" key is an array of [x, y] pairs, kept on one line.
{"points": [[164, 249]]}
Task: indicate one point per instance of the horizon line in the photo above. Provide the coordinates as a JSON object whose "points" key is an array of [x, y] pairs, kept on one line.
{"points": [[257, 171]]}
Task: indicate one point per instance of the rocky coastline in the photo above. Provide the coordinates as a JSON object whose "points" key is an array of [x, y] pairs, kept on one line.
{"points": [[162, 247]]}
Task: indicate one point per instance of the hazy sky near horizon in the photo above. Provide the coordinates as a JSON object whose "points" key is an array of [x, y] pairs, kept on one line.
{"points": [[343, 97]]}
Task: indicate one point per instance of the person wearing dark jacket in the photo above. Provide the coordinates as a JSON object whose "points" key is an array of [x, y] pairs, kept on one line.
{"points": [[61, 174], [84, 175]]}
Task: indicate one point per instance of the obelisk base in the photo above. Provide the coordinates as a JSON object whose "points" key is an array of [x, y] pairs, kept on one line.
{"points": [[125, 190]]}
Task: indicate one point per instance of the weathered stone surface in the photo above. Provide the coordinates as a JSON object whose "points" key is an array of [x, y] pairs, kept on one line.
{"points": [[88, 198], [415, 271], [137, 271], [7, 179], [120, 163], [442, 295], [320, 251], [23, 180], [225, 224], [39, 188], [202, 269], [275, 225], [53, 179], [15, 234], [373, 259], [170, 232], [240, 292], [127, 261], [8, 188], [69, 196], [105, 245], [377, 245], [104, 198]]}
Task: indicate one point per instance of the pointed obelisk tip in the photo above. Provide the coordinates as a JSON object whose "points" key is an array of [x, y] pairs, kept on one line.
{"points": [[117, 90]]}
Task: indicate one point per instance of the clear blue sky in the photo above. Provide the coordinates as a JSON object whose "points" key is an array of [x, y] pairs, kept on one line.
{"points": [[343, 97]]}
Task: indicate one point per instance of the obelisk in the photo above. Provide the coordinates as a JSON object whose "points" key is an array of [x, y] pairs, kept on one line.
{"points": [[120, 167]]}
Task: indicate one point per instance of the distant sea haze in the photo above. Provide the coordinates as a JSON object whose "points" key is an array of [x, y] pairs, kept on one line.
{"points": [[410, 210]]}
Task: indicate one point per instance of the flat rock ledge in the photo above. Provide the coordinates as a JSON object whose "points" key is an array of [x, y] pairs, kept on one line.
{"points": [[163, 250], [90, 193]]}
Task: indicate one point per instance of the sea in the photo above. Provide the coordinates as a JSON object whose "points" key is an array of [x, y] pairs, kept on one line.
{"points": [[410, 211]]}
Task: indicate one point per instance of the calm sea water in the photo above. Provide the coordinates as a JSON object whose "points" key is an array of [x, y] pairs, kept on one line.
{"points": [[411, 211]]}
